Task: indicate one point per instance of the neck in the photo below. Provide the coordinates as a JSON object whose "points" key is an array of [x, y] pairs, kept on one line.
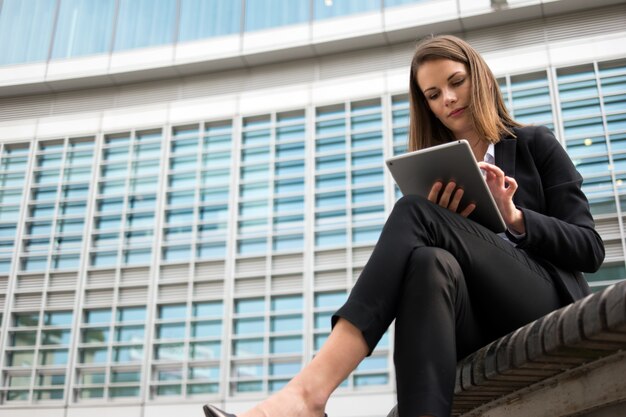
{"points": [[478, 145]]}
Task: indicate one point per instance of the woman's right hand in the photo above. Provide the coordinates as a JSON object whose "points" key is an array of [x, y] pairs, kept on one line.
{"points": [[449, 197]]}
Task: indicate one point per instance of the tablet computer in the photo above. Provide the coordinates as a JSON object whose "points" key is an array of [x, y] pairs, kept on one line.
{"points": [[416, 172]]}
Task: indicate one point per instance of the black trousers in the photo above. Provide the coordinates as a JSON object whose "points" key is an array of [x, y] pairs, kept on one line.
{"points": [[452, 286]]}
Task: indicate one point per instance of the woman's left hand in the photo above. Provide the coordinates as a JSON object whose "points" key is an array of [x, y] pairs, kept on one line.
{"points": [[502, 188]]}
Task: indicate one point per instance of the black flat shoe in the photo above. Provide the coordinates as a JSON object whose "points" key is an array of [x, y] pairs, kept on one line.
{"points": [[210, 411]]}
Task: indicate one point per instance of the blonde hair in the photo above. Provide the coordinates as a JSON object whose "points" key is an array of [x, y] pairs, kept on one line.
{"points": [[488, 113]]}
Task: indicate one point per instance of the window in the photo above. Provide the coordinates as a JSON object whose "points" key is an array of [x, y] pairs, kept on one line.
{"points": [[26, 30], [92, 20], [261, 14], [325, 9], [204, 19], [143, 23]]}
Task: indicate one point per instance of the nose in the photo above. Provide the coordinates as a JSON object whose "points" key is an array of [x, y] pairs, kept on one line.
{"points": [[449, 97]]}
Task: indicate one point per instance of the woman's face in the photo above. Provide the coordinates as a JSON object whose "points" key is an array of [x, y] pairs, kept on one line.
{"points": [[447, 87]]}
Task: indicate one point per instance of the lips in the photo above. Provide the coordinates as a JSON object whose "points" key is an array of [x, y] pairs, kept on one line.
{"points": [[456, 112]]}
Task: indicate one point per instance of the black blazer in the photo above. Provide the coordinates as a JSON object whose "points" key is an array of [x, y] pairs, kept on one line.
{"points": [[559, 227]]}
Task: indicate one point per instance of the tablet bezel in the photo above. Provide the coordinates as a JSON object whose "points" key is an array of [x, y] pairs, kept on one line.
{"points": [[416, 172]]}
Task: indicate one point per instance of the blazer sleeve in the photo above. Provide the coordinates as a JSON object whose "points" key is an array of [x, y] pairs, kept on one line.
{"points": [[564, 233]]}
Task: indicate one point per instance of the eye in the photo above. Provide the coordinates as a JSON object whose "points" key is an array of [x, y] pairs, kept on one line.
{"points": [[433, 96], [458, 82]]}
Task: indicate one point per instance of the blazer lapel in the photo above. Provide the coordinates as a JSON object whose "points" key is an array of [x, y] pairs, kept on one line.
{"points": [[505, 155]]}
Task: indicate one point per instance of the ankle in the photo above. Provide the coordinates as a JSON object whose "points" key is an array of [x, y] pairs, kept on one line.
{"points": [[314, 399]]}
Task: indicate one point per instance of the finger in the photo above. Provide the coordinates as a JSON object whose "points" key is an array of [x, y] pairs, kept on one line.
{"points": [[499, 174], [434, 191], [468, 210], [444, 200], [512, 184], [491, 169], [456, 199]]}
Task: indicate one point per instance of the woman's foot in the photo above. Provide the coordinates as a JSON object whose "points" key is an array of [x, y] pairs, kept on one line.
{"points": [[291, 401]]}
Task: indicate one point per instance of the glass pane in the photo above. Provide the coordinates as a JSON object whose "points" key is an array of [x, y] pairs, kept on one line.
{"points": [[53, 357], [292, 344], [25, 30], [129, 334], [325, 9], [98, 335], [120, 392], [607, 273], [202, 389], [98, 316], [295, 185], [249, 326], [207, 309], [93, 355], [250, 305], [23, 338], [248, 370], [125, 376], [207, 18], [131, 314], [167, 390], [173, 351], [128, 354], [204, 372], [251, 246], [285, 368], [287, 323], [205, 350], [171, 331], [287, 303], [330, 299], [288, 243], [206, 329], [144, 23], [263, 14], [86, 393], [173, 311], [248, 347], [55, 337]]}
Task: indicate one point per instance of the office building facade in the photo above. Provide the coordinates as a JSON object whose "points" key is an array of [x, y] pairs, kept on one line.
{"points": [[189, 189]]}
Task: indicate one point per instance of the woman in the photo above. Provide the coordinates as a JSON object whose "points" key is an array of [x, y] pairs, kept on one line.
{"points": [[451, 284]]}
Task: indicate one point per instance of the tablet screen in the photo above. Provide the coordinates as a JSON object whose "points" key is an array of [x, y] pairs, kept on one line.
{"points": [[416, 172]]}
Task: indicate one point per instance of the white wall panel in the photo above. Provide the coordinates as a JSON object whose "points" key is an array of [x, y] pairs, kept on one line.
{"points": [[76, 67], [347, 26], [145, 116], [275, 38], [517, 61], [180, 409], [70, 125], [398, 80], [117, 411], [206, 49], [473, 7], [22, 74], [22, 129], [348, 88], [141, 59], [203, 109], [585, 50], [428, 12], [280, 99], [35, 412]]}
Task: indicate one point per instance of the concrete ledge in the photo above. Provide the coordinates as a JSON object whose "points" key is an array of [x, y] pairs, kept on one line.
{"points": [[567, 362]]}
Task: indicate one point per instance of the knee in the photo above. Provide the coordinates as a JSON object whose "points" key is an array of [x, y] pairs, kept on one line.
{"points": [[415, 206], [410, 201], [433, 268]]}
